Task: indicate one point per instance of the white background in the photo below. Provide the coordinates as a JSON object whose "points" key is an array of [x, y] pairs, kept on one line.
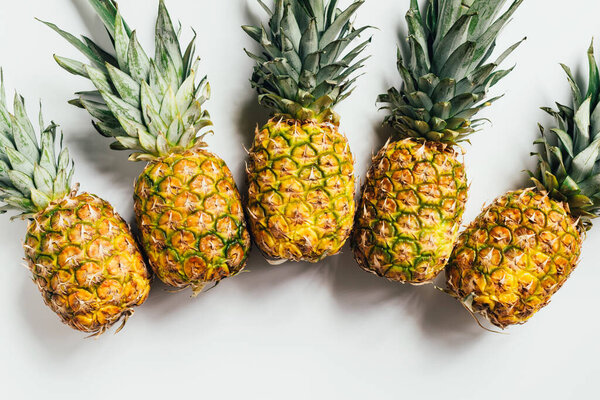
{"points": [[327, 331]]}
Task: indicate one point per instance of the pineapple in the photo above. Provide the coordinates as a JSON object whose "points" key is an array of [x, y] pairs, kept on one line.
{"points": [[415, 192], [522, 248], [301, 171], [187, 205], [80, 252]]}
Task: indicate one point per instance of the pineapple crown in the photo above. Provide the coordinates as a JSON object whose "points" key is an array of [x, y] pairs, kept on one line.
{"points": [[569, 163], [34, 171], [446, 73], [304, 69], [150, 106]]}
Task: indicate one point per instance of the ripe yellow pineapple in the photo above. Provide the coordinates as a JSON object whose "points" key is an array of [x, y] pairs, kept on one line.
{"points": [[192, 217], [413, 199], [522, 248], [187, 205], [83, 258], [415, 192], [301, 171]]}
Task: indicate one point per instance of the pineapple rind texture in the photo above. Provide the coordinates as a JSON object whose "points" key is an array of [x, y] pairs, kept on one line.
{"points": [[86, 263], [191, 219], [410, 212], [510, 261], [301, 190]]}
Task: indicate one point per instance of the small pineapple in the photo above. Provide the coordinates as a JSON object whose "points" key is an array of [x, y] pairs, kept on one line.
{"points": [[522, 248], [187, 205], [415, 192], [83, 258], [301, 171]]}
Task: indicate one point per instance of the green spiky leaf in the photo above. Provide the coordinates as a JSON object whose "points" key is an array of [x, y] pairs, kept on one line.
{"points": [[450, 44], [569, 158], [137, 98], [305, 57]]}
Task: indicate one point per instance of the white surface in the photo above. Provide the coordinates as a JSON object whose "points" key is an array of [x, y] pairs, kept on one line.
{"points": [[327, 331]]}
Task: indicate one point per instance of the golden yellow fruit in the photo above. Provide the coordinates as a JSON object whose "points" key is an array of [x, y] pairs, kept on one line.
{"points": [[301, 190], [191, 219], [86, 263], [510, 261], [410, 212]]}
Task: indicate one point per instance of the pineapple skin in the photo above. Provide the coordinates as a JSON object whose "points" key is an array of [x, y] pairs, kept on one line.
{"points": [[86, 263], [512, 259], [411, 209], [301, 190], [191, 219]]}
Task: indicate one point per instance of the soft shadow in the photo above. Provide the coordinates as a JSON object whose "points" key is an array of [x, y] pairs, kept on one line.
{"points": [[529, 163], [110, 164], [440, 317], [355, 288], [93, 23], [260, 278], [383, 134], [251, 115], [251, 18], [255, 281], [443, 319], [165, 301], [56, 338], [522, 179], [402, 35]]}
